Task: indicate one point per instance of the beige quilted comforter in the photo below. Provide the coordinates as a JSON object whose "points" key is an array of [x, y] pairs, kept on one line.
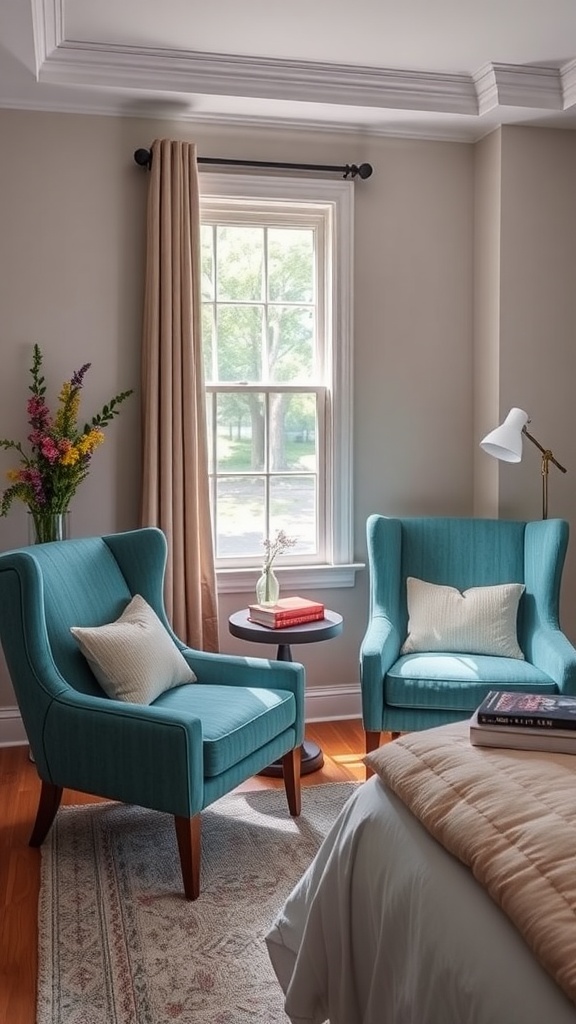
{"points": [[510, 815]]}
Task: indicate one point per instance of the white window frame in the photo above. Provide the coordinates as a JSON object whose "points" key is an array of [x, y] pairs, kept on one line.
{"points": [[337, 198]]}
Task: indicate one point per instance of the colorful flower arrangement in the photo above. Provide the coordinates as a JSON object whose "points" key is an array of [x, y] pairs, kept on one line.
{"points": [[60, 453]]}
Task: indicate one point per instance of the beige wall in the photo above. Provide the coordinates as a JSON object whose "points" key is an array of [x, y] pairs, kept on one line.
{"points": [[486, 334], [72, 209], [525, 320], [538, 310]]}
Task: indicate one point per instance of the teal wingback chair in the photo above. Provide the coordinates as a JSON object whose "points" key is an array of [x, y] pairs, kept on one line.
{"points": [[402, 693], [178, 754]]}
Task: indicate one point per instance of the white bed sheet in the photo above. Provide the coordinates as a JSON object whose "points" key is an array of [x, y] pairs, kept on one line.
{"points": [[386, 927]]}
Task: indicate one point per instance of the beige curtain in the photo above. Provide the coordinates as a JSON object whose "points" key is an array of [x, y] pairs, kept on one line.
{"points": [[175, 493]]}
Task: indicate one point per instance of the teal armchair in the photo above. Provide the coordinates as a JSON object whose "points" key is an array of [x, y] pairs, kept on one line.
{"points": [[405, 692], [187, 748]]}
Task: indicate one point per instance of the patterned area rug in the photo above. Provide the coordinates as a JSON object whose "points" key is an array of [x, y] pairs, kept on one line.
{"points": [[118, 943]]}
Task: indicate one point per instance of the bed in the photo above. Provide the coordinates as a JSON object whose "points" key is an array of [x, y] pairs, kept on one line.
{"points": [[391, 925]]}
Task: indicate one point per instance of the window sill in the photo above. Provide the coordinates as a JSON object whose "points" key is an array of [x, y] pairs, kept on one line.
{"points": [[293, 578]]}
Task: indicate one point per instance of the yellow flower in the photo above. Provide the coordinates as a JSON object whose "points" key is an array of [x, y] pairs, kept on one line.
{"points": [[90, 441], [69, 400], [13, 474], [70, 457], [65, 392]]}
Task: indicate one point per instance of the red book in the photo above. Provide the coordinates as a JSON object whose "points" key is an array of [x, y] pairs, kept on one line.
{"points": [[286, 611], [286, 622]]}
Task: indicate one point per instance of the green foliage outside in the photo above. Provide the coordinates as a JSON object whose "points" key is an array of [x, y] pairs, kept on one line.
{"points": [[236, 456], [259, 327]]}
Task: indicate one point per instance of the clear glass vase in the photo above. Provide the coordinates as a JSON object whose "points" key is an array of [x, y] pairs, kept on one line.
{"points": [[48, 526], [267, 588]]}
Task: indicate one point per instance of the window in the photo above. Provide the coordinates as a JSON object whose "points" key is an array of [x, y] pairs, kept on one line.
{"points": [[276, 322]]}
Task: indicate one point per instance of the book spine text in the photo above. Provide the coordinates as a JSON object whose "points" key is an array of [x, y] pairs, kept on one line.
{"points": [[526, 721]]}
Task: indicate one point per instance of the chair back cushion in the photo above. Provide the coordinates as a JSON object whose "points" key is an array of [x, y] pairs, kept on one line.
{"points": [[48, 588], [461, 553], [83, 586]]}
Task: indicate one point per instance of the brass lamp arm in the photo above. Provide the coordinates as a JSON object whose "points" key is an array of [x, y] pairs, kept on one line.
{"points": [[547, 457], [546, 453]]}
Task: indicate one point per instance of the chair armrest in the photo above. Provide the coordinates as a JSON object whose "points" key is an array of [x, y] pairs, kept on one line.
{"points": [[156, 753], [234, 670], [379, 650], [551, 651], [106, 706]]}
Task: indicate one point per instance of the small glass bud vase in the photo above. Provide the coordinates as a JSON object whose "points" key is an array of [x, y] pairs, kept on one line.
{"points": [[267, 588], [48, 526]]}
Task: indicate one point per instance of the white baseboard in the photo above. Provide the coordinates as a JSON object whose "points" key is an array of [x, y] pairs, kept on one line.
{"points": [[323, 704], [331, 703], [12, 732]]}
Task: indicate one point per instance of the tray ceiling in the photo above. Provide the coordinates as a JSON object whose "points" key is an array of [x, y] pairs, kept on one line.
{"points": [[448, 70]]}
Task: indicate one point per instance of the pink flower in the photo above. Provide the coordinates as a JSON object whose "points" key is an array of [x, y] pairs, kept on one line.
{"points": [[49, 449], [38, 412], [33, 477]]}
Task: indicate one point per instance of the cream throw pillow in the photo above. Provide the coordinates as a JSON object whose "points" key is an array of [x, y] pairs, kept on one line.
{"points": [[134, 658], [482, 620]]}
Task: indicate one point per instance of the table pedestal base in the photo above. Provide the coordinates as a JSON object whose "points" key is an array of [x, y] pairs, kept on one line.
{"points": [[240, 625], [311, 760]]}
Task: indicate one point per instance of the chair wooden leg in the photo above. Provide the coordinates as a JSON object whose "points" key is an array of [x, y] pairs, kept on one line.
{"points": [[372, 742], [188, 834], [50, 797], [291, 773]]}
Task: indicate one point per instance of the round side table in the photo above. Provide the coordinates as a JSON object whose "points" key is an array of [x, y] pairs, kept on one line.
{"points": [[239, 625]]}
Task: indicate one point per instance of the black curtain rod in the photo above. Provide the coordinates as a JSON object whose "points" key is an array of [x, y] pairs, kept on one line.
{"points": [[143, 158]]}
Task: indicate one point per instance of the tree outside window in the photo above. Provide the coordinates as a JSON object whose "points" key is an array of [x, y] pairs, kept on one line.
{"points": [[268, 323]]}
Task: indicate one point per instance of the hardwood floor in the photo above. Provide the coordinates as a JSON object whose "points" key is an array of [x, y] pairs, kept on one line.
{"points": [[341, 742]]}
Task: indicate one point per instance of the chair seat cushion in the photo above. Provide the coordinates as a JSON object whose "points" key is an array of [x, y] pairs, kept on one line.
{"points": [[232, 729], [450, 682]]}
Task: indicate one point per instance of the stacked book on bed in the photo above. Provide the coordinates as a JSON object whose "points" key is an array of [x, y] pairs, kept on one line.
{"points": [[525, 721], [287, 611]]}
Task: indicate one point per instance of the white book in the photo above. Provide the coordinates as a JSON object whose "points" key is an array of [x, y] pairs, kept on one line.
{"points": [[515, 737]]}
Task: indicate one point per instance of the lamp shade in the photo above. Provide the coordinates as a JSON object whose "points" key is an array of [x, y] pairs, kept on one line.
{"points": [[505, 442]]}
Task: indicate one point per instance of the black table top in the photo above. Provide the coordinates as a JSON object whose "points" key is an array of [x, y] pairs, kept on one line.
{"points": [[305, 633]]}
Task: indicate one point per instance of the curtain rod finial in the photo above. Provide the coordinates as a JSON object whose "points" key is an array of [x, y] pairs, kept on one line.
{"points": [[365, 170], [143, 158]]}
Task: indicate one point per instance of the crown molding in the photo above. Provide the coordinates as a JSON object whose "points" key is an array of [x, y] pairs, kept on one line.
{"points": [[139, 71], [568, 75], [176, 71], [69, 62], [511, 85], [48, 28], [146, 68]]}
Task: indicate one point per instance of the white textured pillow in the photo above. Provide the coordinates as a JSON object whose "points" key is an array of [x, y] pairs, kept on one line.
{"points": [[482, 620], [134, 658]]}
